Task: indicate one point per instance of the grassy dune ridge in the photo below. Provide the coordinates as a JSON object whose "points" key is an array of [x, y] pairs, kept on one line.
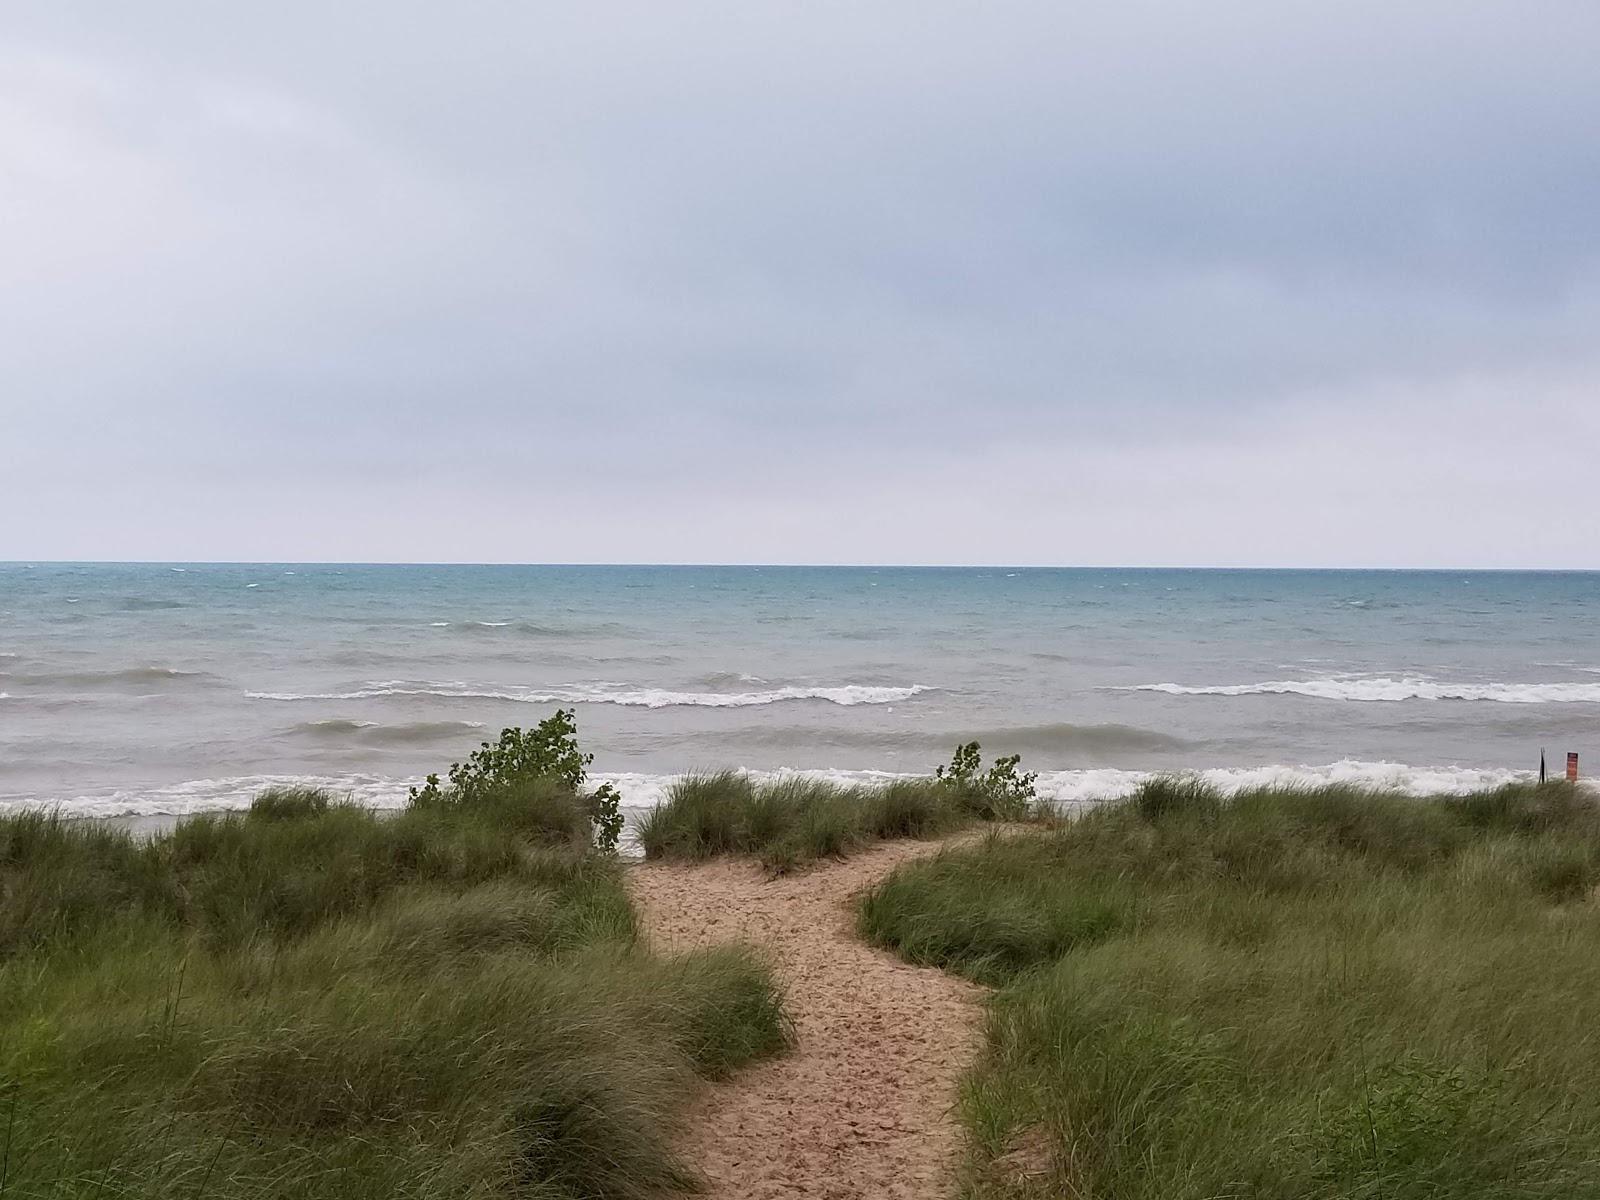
{"points": [[790, 821], [309, 1000], [1321, 993]]}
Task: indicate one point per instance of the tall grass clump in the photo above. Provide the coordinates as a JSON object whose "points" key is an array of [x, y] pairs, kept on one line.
{"points": [[704, 815], [1325, 993], [288, 803], [309, 1000], [792, 820]]}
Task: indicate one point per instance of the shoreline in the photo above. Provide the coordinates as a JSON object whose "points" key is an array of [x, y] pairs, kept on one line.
{"points": [[159, 807]]}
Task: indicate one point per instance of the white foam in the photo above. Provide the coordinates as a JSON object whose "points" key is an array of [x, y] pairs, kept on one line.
{"points": [[640, 793], [601, 693], [211, 795], [439, 624], [1386, 690]]}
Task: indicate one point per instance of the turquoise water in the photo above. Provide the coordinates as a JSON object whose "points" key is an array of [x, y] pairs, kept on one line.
{"points": [[134, 689]]}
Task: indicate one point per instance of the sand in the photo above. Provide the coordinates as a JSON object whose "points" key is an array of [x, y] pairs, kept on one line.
{"points": [[861, 1106]]}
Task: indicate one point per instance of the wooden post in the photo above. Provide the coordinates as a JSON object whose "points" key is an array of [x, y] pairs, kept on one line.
{"points": [[1572, 766]]}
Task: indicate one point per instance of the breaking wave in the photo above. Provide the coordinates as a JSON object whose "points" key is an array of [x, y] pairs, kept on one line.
{"points": [[1060, 740], [211, 795], [1062, 737], [533, 629], [333, 728], [378, 734], [847, 694], [728, 679], [1382, 689]]}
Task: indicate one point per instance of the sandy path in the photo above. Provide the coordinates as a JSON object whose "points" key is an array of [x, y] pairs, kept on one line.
{"points": [[860, 1108]]}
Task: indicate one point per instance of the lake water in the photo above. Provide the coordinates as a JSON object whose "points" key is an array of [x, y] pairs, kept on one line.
{"points": [[161, 689]]}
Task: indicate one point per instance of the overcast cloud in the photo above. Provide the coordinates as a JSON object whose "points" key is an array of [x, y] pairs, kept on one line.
{"points": [[1250, 282]]}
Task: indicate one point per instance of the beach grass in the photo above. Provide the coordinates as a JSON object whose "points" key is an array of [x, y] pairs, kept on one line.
{"points": [[310, 1000], [790, 821], [1325, 993]]}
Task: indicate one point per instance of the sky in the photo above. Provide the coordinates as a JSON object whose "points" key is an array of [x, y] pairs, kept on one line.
{"points": [[1255, 282]]}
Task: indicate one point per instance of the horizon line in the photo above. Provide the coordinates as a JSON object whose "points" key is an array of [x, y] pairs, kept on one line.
{"points": [[708, 565]]}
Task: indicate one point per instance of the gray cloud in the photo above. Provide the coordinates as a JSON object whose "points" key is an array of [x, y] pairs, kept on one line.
{"points": [[1250, 282]]}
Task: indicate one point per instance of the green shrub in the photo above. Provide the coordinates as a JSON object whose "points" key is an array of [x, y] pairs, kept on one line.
{"points": [[532, 762], [1001, 793]]}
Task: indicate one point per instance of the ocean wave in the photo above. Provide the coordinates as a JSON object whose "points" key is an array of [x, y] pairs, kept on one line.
{"points": [[532, 629], [377, 733], [142, 676], [1073, 741], [1382, 689], [848, 695], [1102, 738], [332, 728], [728, 679], [144, 604], [413, 732]]}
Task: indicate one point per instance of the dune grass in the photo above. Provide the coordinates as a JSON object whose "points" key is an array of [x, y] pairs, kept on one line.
{"points": [[791, 821], [1324, 993], [308, 1000]]}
